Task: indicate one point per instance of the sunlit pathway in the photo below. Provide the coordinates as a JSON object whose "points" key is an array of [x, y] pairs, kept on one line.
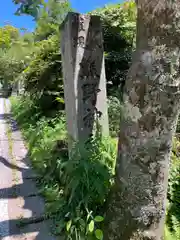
{"points": [[5, 175], [19, 198]]}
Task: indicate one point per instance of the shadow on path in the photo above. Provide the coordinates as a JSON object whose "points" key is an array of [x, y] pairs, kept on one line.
{"points": [[10, 165], [25, 205], [8, 118], [32, 209]]}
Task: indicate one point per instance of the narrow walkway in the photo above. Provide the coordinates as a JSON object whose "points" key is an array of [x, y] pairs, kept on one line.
{"points": [[19, 199]]}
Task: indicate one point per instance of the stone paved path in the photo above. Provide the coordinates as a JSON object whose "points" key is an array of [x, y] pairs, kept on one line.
{"points": [[18, 193]]}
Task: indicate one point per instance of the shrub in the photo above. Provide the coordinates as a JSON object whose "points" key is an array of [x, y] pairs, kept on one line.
{"points": [[75, 189], [43, 79], [114, 112]]}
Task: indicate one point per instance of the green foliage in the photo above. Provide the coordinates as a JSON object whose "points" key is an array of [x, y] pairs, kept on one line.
{"points": [[43, 79], [50, 17], [29, 7], [9, 68], [114, 113], [24, 60], [173, 213], [75, 189], [14, 54], [40, 74], [8, 35], [8, 64], [122, 16], [169, 235], [119, 24]]}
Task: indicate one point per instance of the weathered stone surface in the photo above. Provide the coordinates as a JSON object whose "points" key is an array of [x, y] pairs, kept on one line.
{"points": [[84, 75], [136, 208]]}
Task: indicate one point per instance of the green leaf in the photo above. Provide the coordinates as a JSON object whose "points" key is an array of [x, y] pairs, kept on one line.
{"points": [[99, 219], [99, 234], [91, 226], [59, 99], [68, 225]]}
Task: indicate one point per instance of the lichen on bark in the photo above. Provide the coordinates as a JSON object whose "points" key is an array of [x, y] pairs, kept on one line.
{"points": [[136, 207]]}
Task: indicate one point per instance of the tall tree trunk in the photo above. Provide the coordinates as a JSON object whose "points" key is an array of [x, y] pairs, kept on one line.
{"points": [[136, 208]]}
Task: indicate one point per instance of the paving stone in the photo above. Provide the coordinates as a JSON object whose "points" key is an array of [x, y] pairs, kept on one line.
{"points": [[25, 189], [16, 184]]}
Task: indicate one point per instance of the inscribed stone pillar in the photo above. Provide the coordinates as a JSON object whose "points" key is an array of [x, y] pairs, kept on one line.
{"points": [[84, 75]]}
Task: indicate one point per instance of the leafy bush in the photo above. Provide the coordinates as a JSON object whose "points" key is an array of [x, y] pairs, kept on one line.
{"points": [[75, 189], [114, 112], [86, 178], [169, 235], [43, 79], [8, 35], [26, 112], [10, 68]]}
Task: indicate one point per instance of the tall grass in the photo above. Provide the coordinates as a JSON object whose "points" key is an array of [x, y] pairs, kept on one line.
{"points": [[75, 189]]}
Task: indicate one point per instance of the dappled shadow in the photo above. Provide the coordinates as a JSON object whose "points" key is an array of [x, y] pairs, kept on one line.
{"points": [[10, 165], [3, 96], [5, 116], [12, 123], [32, 207]]}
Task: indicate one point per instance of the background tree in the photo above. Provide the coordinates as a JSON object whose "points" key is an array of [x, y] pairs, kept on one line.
{"points": [[119, 24], [151, 105], [50, 17], [8, 35], [15, 49], [29, 7]]}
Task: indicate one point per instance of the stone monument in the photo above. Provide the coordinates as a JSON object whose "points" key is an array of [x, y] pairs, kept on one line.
{"points": [[84, 75]]}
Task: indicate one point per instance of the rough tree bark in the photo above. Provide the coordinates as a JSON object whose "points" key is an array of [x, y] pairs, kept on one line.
{"points": [[136, 208]]}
